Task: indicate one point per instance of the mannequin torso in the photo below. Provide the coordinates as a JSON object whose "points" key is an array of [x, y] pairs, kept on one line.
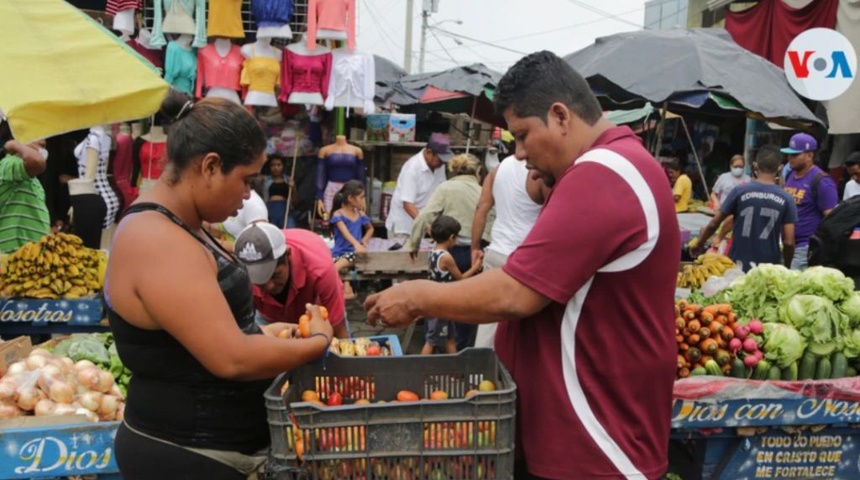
{"points": [[263, 63], [223, 47], [337, 164]]}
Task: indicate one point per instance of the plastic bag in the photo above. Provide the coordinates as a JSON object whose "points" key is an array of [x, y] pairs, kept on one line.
{"points": [[715, 285]]}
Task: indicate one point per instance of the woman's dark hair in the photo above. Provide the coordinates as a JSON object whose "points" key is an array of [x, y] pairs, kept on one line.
{"points": [[443, 227], [537, 81], [349, 189], [273, 157], [212, 125]]}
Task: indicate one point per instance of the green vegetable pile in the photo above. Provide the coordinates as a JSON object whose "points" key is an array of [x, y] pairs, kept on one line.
{"points": [[812, 319], [100, 349]]}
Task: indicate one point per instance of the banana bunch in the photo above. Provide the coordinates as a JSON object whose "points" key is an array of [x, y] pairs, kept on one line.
{"points": [[707, 265], [57, 266]]}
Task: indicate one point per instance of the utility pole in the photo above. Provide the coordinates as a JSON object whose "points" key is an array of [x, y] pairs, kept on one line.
{"points": [[407, 54], [424, 16]]}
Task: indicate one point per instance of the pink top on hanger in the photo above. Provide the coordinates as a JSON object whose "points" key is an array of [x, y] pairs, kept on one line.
{"points": [[331, 15], [114, 6], [213, 70], [305, 74]]}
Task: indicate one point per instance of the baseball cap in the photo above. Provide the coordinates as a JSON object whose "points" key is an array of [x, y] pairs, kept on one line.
{"points": [[258, 247], [800, 143], [440, 144]]}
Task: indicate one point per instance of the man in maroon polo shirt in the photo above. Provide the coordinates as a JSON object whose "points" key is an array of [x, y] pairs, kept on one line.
{"points": [[588, 296], [289, 269]]}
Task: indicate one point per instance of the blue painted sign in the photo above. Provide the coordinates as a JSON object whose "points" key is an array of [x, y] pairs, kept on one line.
{"points": [[689, 414], [58, 451], [40, 313], [831, 454]]}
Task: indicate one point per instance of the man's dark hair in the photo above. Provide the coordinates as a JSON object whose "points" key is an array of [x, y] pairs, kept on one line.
{"points": [[674, 165], [768, 159], [443, 227], [541, 79], [853, 159]]}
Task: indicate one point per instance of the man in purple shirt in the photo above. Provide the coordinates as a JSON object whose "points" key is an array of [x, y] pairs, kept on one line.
{"points": [[813, 190]]}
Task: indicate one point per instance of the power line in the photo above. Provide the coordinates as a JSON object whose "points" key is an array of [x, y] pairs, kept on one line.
{"points": [[378, 24], [481, 42], [602, 13], [432, 32]]}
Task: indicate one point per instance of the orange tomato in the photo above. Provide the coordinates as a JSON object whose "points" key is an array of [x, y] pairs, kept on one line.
{"points": [[324, 312], [305, 326], [438, 395], [407, 396], [310, 396]]}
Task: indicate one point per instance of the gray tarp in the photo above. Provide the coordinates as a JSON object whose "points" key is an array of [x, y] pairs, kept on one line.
{"points": [[627, 69], [472, 79]]}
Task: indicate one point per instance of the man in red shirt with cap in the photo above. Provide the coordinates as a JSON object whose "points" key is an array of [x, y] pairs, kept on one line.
{"points": [[586, 302]]}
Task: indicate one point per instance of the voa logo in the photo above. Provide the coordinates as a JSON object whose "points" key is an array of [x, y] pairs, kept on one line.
{"points": [[820, 64]]}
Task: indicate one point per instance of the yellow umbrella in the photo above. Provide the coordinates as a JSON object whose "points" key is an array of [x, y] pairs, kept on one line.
{"points": [[62, 71]]}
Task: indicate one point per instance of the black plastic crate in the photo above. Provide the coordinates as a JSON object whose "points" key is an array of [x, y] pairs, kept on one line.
{"points": [[459, 438]]}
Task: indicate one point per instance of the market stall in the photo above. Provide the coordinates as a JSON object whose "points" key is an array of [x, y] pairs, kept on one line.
{"points": [[767, 371]]}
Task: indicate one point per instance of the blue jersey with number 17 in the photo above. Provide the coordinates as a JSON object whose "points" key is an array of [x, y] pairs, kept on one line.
{"points": [[760, 211]]}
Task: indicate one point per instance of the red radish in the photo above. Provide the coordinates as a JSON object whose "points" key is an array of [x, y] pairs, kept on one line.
{"points": [[742, 331], [756, 326], [758, 354], [735, 344], [750, 345], [751, 361]]}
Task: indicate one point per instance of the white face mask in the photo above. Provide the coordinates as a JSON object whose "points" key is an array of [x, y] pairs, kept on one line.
{"points": [[43, 152], [737, 171]]}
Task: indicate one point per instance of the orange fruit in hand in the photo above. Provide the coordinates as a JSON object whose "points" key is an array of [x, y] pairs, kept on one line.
{"points": [[305, 326], [324, 312]]}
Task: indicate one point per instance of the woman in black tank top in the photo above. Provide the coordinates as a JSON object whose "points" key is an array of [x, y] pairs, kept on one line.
{"points": [[182, 313]]}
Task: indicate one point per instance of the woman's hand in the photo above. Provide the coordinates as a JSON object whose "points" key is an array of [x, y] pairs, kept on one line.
{"points": [[318, 323]]}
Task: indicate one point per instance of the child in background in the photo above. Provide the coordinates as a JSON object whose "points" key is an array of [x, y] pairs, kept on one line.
{"points": [[348, 220], [276, 189], [443, 268]]}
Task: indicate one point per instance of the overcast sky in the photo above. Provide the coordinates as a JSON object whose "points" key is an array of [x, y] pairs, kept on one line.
{"points": [[514, 27]]}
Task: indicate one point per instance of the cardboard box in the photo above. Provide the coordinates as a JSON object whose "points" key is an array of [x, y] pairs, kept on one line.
{"points": [[14, 350], [391, 127], [460, 131]]}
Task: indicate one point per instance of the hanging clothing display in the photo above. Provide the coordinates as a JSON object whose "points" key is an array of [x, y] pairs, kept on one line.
{"points": [[179, 16], [142, 45], [768, 27], [180, 67], [123, 14], [225, 19], [331, 20], [214, 70], [272, 14], [352, 82], [148, 159], [99, 140], [123, 169], [842, 112], [114, 6], [261, 74], [305, 74]]}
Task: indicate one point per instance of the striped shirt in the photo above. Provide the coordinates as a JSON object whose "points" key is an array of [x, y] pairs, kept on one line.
{"points": [[23, 214]]}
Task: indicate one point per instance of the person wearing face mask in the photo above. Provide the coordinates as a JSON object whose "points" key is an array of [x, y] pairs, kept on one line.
{"points": [[23, 214], [729, 180]]}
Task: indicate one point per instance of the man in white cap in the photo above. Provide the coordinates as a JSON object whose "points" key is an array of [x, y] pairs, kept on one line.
{"points": [[289, 269], [418, 178]]}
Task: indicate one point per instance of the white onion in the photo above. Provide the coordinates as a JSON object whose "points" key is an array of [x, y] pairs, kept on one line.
{"points": [[108, 406], [8, 390], [7, 410], [28, 397], [80, 389], [35, 362], [114, 390], [120, 411], [64, 409], [45, 408], [62, 392], [49, 374], [41, 352], [105, 382], [17, 368], [91, 416], [91, 401], [68, 363], [82, 364], [88, 377]]}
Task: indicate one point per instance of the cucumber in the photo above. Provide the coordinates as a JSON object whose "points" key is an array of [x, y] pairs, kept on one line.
{"points": [[789, 373], [822, 371], [713, 368], [739, 370], [806, 371], [850, 372], [698, 372], [760, 372], [840, 365], [774, 373]]}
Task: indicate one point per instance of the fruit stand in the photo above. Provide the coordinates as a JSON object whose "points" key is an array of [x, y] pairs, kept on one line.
{"points": [[52, 286], [767, 375]]}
